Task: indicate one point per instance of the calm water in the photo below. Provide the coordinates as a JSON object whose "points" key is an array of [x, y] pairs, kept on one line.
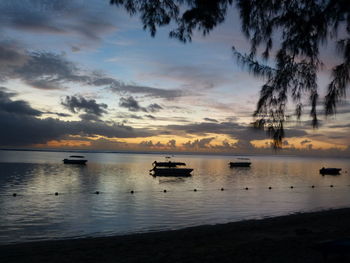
{"points": [[37, 214]]}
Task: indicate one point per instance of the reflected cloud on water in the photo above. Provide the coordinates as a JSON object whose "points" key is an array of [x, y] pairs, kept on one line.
{"points": [[36, 213]]}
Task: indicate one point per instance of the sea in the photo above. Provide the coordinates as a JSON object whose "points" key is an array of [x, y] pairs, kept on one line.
{"points": [[113, 194]]}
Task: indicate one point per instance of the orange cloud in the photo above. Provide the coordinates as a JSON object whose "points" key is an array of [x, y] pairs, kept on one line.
{"points": [[65, 143]]}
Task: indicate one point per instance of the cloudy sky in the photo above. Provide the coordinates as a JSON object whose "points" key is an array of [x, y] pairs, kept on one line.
{"points": [[84, 75]]}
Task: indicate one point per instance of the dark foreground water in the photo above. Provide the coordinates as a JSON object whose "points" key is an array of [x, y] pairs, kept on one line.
{"points": [[36, 213]]}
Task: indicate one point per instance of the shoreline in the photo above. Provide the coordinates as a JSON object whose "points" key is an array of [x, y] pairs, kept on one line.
{"points": [[288, 238]]}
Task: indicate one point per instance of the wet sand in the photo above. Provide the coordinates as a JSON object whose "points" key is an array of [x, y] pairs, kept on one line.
{"points": [[289, 238]]}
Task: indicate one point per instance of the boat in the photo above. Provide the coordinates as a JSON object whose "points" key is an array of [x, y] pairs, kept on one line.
{"points": [[240, 162], [330, 171], [75, 159], [170, 168]]}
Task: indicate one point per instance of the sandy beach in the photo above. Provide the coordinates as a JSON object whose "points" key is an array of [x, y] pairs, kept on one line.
{"points": [[289, 238]]}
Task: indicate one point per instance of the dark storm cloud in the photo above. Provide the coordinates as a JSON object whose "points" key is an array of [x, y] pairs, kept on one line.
{"points": [[54, 17], [153, 92], [131, 104], [20, 130], [20, 127], [232, 118], [89, 117], [75, 49], [15, 106], [42, 70], [11, 54], [168, 94], [210, 120], [121, 88], [79, 103], [47, 71], [149, 116], [154, 107]]}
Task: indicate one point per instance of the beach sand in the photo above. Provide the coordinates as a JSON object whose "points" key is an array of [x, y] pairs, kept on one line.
{"points": [[289, 238]]}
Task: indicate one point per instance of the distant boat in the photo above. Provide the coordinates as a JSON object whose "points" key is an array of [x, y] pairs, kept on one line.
{"points": [[169, 168], [241, 162], [331, 171], [75, 159]]}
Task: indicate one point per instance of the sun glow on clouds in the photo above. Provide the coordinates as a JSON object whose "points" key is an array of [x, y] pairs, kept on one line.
{"points": [[65, 144], [97, 81], [300, 144]]}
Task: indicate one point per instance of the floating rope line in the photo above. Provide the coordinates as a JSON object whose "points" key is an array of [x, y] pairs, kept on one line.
{"points": [[222, 189]]}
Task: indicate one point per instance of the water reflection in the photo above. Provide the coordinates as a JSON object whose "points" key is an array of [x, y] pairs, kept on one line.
{"points": [[36, 213], [170, 180]]}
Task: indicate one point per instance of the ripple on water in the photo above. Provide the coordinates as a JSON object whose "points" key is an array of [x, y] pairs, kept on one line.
{"points": [[36, 213]]}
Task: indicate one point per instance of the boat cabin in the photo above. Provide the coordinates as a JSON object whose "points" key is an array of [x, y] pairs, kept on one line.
{"points": [[170, 168]]}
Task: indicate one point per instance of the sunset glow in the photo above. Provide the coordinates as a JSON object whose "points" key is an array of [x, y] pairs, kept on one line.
{"points": [[97, 81]]}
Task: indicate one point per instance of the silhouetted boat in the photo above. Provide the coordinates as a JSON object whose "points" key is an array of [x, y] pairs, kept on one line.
{"points": [[169, 168], [241, 162], [75, 159], [331, 171]]}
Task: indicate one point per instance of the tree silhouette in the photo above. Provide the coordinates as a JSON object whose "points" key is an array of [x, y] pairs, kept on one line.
{"points": [[301, 27]]}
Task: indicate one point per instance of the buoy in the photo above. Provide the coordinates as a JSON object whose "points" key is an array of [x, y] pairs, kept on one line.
{"points": [[222, 189], [132, 191], [164, 190], [270, 187], [56, 193], [97, 192], [14, 194], [246, 188], [195, 190]]}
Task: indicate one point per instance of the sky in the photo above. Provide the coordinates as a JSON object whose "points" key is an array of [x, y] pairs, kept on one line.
{"points": [[84, 75]]}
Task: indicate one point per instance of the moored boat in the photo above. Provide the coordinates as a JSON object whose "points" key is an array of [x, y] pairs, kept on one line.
{"points": [[170, 168], [241, 162], [330, 171], [75, 159]]}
